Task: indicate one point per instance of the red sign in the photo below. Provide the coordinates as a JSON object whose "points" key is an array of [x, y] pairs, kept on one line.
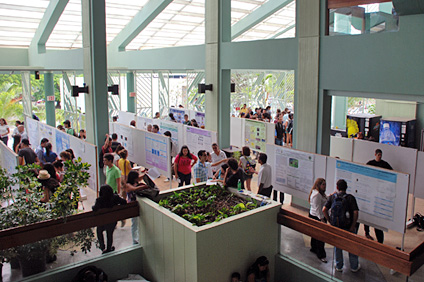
{"points": [[237, 108], [132, 94], [50, 98]]}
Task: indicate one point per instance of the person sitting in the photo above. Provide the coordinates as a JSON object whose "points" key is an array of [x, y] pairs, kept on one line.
{"points": [[106, 200], [259, 271], [219, 175], [233, 175]]}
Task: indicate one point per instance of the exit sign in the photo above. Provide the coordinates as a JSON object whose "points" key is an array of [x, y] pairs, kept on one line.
{"points": [[50, 98], [132, 94]]}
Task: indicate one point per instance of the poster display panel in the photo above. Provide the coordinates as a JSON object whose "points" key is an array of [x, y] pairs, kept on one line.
{"points": [[156, 148], [48, 132], [237, 132], [200, 118], [62, 141], [255, 135], [178, 114], [8, 159], [176, 129], [295, 169], [125, 137], [125, 117], [32, 131], [419, 181], [199, 139], [87, 152], [381, 194], [142, 122]]}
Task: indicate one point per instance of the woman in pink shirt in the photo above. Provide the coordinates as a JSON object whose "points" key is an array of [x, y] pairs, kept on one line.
{"points": [[182, 166]]}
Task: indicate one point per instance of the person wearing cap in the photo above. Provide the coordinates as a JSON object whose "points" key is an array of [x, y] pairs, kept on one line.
{"points": [[26, 154], [40, 150], [49, 183]]}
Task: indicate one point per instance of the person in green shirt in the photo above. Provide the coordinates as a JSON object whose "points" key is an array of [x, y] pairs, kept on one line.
{"points": [[68, 128], [113, 173]]}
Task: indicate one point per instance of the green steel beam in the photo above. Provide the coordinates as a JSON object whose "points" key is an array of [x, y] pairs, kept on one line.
{"points": [[138, 23], [258, 15], [284, 31], [49, 91], [47, 24]]}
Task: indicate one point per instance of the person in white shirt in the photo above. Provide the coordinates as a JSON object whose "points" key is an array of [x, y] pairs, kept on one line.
{"points": [[317, 199], [218, 158], [264, 176], [4, 131]]}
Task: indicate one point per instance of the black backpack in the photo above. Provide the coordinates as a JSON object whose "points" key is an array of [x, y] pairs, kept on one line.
{"points": [[339, 207]]}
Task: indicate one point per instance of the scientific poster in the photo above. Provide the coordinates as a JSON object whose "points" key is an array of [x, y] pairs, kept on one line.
{"points": [[62, 141], [142, 122], [47, 132], [125, 138], [198, 139], [156, 151], [200, 118], [171, 127], [178, 114], [32, 131], [255, 136], [295, 169], [374, 189]]}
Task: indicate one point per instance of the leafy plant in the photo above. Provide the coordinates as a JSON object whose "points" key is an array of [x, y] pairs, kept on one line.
{"points": [[205, 205]]}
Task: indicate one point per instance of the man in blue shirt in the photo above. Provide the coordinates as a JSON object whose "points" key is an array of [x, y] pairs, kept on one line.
{"points": [[200, 169]]}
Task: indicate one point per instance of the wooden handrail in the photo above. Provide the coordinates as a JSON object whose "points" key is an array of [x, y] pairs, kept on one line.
{"points": [[334, 4], [403, 262], [22, 235]]}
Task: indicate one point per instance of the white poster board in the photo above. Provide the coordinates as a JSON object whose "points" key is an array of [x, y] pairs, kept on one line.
{"points": [[295, 171], [401, 159], [381, 194], [237, 131], [8, 159], [255, 135], [270, 132], [176, 129], [126, 138], [32, 131], [142, 122], [63, 141], [199, 139], [88, 154], [125, 117], [341, 147], [419, 181]]}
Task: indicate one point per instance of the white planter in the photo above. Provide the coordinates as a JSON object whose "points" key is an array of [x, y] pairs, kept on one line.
{"points": [[175, 250]]}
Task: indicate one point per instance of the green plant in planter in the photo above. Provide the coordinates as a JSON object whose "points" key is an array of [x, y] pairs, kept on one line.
{"points": [[205, 205], [23, 193]]}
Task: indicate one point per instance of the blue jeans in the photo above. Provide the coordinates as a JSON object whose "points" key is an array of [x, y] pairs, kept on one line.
{"points": [[279, 141], [353, 259]]}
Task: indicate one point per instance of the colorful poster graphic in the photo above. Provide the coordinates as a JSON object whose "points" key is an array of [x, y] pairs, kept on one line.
{"points": [[178, 114], [62, 141], [390, 132], [255, 135], [374, 189], [295, 169], [200, 118], [156, 151]]}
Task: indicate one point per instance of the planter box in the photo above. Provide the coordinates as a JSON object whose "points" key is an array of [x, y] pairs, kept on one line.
{"points": [[175, 250]]}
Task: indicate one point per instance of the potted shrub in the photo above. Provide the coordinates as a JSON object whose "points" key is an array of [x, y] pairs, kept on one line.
{"points": [[23, 193]]}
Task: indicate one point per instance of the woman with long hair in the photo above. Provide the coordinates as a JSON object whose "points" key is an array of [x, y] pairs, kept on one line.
{"points": [[49, 155], [317, 199], [4, 131], [124, 165], [183, 164], [246, 163], [259, 271]]}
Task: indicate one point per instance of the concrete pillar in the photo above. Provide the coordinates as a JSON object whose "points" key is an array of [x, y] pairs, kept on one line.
{"points": [[26, 93], [339, 111], [131, 101], [50, 105], [218, 30], [95, 72]]}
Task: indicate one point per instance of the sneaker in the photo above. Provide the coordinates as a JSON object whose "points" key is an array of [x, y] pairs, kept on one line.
{"points": [[339, 269], [356, 270]]}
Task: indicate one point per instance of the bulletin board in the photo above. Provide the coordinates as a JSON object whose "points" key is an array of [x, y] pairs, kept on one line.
{"points": [[199, 139], [255, 135]]}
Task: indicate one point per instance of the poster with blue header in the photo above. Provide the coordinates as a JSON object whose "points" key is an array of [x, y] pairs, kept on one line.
{"points": [[390, 132], [178, 114], [62, 141]]}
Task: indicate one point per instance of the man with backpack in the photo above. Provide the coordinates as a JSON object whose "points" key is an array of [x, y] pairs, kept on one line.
{"points": [[341, 210]]}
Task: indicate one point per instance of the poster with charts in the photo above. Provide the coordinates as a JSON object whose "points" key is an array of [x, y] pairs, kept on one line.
{"points": [[255, 135], [125, 137], [374, 189], [198, 139], [62, 141], [156, 151], [295, 169]]}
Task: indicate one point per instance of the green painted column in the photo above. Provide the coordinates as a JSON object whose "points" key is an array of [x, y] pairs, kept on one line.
{"points": [[49, 91], [218, 31], [131, 101], [339, 111], [95, 73]]}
